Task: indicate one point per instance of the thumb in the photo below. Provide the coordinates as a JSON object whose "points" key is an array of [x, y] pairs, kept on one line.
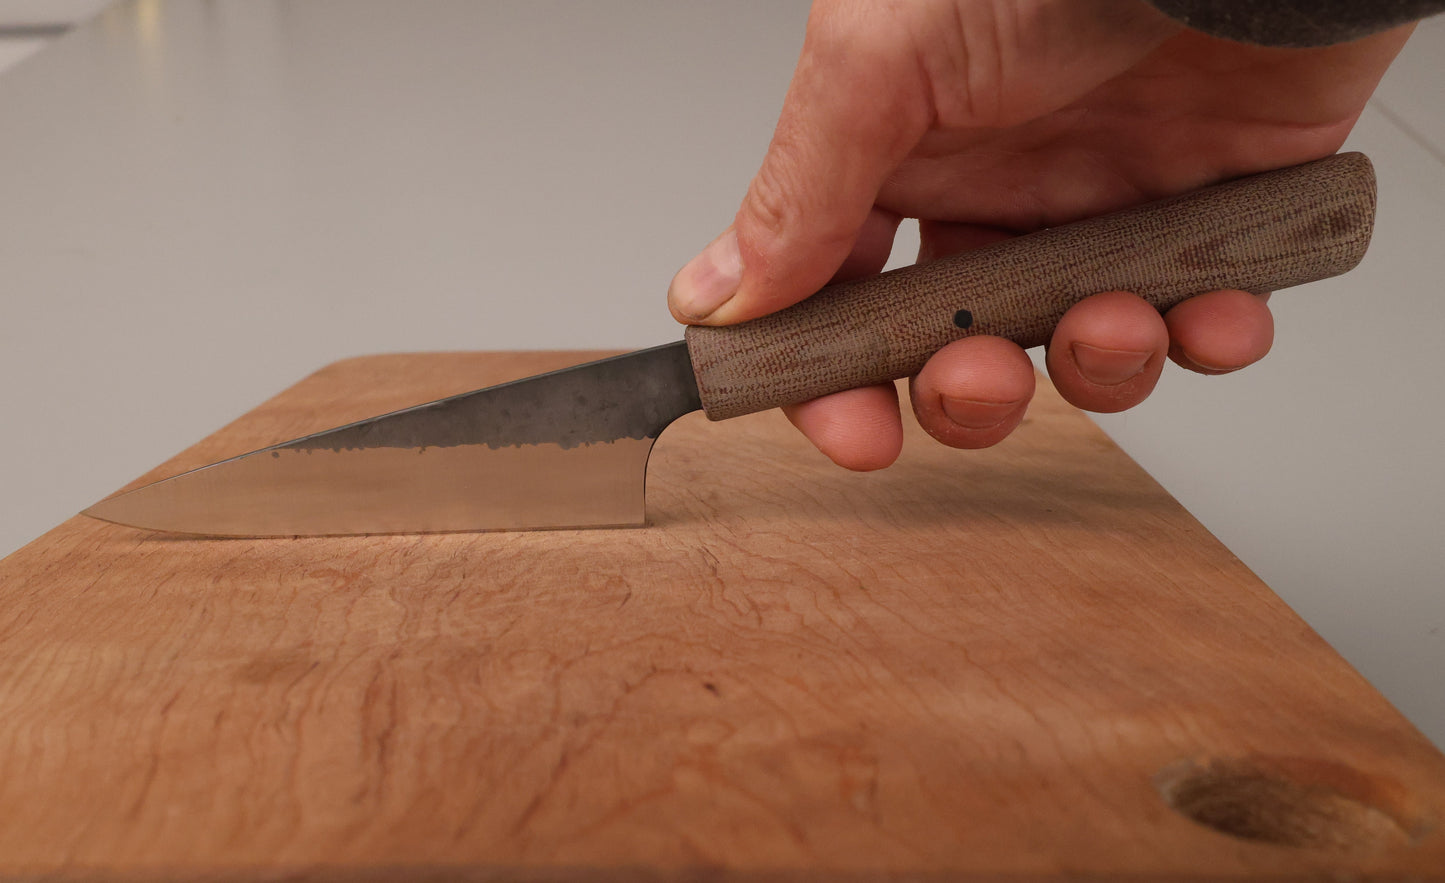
{"points": [[856, 107]]}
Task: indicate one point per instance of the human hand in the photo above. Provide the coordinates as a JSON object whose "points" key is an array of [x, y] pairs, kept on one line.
{"points": [[990, 118]]}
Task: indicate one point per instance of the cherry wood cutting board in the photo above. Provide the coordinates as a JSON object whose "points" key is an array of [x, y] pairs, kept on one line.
{"points": [[1028, 662]]}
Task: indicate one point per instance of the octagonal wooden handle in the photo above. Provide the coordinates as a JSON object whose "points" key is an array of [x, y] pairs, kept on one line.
{"points": [[1261, 233]]}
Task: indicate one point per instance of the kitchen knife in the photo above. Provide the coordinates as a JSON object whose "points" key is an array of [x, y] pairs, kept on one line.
{"points": [[569, 448]]}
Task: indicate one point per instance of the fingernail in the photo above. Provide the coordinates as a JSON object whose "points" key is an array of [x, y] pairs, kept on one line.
{"points": [[709, 280], [972, 414], [1108, 367], [1180, 355]]}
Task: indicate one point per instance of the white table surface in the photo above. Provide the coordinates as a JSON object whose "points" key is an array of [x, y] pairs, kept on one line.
{"points": [[201, 202], [47, 12]]}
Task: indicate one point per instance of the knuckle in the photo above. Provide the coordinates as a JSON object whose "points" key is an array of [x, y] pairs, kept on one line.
{"points": [[784, 212], [771, 204]]}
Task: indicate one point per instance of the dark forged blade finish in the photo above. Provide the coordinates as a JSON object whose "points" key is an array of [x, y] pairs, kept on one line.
{"points": [[563, 449]]}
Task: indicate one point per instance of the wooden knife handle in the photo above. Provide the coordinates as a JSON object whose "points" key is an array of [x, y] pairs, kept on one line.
{"points": [[1260, 233]]}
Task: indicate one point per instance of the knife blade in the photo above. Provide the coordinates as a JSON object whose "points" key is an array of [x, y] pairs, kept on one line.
{"points": [[569, 448]]}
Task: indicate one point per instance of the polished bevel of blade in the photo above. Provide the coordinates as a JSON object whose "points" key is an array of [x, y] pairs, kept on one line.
{"points": [[563, 449]]}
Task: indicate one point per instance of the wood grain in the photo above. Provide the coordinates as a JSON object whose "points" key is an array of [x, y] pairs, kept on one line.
{"points": [[1261, 233], [971, 665]]}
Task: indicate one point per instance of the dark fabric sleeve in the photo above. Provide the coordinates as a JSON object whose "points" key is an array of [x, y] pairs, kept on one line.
{"points": [[1295, 23]]}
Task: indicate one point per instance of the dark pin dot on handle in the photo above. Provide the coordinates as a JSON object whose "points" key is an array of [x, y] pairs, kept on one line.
{"points": [[963, 318]]}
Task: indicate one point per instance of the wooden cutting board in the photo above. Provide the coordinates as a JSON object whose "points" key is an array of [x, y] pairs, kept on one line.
{"points": [[1026, 662]]}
